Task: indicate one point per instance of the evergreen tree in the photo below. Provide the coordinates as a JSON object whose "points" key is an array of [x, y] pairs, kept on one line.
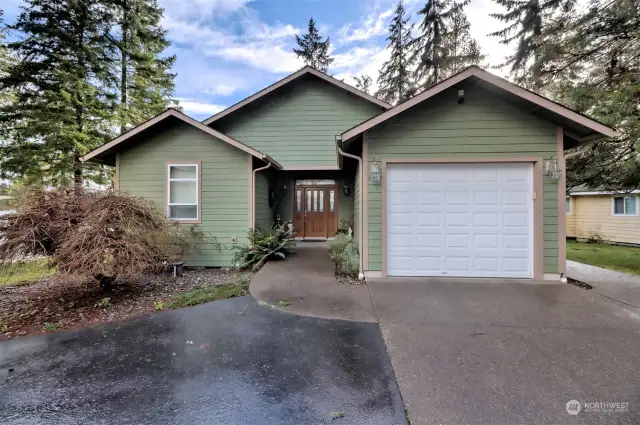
{"points": [[62, 109], [526, 21], [5, 58], [313, 50], [591, 62], [431, 50], [363, 83], [395, 82], [462, 50], [145, 83]]}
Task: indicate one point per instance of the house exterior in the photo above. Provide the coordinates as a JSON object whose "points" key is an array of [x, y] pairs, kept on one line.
{"points": [[456, 181], [610, 216]]}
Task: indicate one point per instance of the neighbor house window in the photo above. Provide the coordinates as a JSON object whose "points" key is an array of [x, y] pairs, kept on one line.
{"points": [[625, 205], [567, 207], [183, 191]]}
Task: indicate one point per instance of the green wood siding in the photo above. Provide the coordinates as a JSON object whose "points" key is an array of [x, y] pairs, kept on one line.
{"points": [[484, 126], [297, 125], [265, 215], [225, 185]]}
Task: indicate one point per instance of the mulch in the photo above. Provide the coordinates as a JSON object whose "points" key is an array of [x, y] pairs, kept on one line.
{"points": [[73, 303]]}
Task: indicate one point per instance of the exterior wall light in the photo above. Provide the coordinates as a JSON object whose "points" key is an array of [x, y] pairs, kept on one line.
{"points": [[551, 168], [376, 174], [346, 189]]}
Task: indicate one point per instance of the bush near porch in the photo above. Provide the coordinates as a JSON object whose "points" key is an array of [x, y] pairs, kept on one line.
{"points": [[343, 251]]}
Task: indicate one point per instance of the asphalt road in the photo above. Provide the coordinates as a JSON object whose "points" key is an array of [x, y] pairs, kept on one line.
{"points": [[227, 362]]}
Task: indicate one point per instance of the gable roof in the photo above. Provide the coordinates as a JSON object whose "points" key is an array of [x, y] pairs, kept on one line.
{"points": [[307, 70], [594, 129], [111, 146]]}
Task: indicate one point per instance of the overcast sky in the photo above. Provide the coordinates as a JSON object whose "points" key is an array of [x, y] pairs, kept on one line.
{"points": [[228, 49]]}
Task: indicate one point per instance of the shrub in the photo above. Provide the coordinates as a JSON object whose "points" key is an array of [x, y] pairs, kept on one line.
{"points": [[337, 245], [262, 247], [343, 251], [346, 227], [96, 234]]}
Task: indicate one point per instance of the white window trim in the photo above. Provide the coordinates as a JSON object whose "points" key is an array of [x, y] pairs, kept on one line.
{"points": [[197, 180], [613, 206], [569, 210]]}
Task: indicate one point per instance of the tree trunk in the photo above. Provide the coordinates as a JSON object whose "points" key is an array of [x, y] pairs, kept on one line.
{"points": [[77, 176]]}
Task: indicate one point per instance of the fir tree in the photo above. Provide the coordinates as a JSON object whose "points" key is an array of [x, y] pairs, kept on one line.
{"points": [[363, 83], [462, 50], [394, 80], [526, 21], [313, 50], [145, 83], [431, 51], [591, 62], [62, 108]]}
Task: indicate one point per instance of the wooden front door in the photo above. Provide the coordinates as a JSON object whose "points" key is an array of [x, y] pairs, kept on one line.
{"points": [[315, 211]]}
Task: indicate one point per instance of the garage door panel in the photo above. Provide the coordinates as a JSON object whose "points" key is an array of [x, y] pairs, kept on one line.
{"points": [[465, 220], [488, 241], [457, 219], [486, 219], [486, 197]]}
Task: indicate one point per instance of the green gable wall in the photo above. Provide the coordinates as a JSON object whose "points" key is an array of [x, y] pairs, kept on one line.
{"points": [[225, 185], [484, 126], [297, 124]]}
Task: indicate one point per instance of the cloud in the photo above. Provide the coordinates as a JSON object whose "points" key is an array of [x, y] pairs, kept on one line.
{"points": [[362, 61], [196, 107], [373, 26]]}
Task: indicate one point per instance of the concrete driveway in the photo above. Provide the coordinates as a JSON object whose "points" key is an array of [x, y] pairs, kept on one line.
{"points": [[229, 362], [468, 352]]}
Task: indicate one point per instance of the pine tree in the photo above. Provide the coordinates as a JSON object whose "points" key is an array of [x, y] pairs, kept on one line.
{"points": [[62, 108], [431, 51], [313, 50], [395, 82], [462, 50], [363, 83], [526, 21], [145, 83]]}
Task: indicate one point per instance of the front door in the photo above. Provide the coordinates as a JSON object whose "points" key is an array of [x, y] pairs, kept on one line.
{"points": [[315, 211]]}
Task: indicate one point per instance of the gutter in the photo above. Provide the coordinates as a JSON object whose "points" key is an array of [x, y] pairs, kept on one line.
{"points": [[362, 176], [252, 207]]}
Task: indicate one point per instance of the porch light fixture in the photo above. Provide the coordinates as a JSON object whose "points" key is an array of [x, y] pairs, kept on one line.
{"points": [[376, 175], [551, 168], [346, 189]]}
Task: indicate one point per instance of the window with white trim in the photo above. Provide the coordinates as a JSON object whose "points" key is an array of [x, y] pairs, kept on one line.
{"points": [[567, 207], [625, 205], [183, 188]]}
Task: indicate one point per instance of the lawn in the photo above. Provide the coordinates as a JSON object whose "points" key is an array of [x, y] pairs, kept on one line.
{"points": [[613, 257], [24, 272]]}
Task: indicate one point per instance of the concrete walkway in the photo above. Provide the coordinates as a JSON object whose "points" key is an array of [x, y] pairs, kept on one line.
{"points": [[305, 284], [621, 287]]}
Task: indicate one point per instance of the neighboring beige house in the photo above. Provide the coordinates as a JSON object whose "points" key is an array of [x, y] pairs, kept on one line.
{"points": [[611, 216]]}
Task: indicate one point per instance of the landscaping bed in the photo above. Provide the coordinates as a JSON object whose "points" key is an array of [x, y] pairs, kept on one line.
{"points": [[62, 302]]}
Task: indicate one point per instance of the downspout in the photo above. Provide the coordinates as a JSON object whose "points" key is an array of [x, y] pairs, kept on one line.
{"points": [[253, 198], [362, 176]]}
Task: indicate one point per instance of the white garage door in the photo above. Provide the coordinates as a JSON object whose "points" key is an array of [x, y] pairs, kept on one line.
{"points": [[463, 220]]}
